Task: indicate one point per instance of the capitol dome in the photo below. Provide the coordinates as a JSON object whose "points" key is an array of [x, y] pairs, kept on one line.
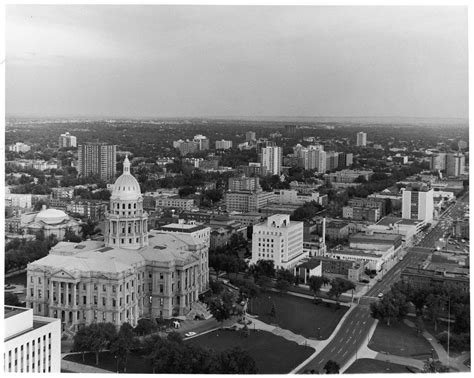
{"points": [[126, 187], [51, 216]]}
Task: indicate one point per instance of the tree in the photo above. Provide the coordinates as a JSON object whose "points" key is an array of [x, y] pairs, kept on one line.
{"points": [[100, 337], [175, 337], [122, 345], [221, 307], [339, 286], [82, 341], [216, 286], [434, 366], [145, 326], [316, 282], [391, 307], [89, 228], [236, 361], [434, 306], [332, 367], [11, 299], [263, 268], [71, 236], [282, 285]]}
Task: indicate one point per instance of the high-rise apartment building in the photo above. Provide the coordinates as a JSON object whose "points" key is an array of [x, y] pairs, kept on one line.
{"points": [[271, 159], [97, 159], [332, 160], [278, 239], [32, 344], [438, 162], [417, 203], [246, 195], [67, 140], [314, 157], [202, 142], [455, 164], [19, 147], [361, 139]]}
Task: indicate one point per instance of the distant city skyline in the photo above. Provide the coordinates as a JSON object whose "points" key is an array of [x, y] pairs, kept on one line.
{"points": [[236, 62]]}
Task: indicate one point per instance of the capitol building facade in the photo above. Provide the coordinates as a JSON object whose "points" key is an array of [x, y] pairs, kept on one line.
{"points": [[132, 274]]}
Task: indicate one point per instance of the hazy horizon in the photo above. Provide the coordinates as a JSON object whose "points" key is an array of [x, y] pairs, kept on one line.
{"points": [[236, 62]]}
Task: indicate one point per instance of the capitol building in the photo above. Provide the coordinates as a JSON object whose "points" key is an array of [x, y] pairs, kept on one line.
{"points": [[132, 274]]}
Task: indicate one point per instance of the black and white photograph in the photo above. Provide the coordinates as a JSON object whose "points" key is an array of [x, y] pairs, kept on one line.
{"points": [[236, 189]]}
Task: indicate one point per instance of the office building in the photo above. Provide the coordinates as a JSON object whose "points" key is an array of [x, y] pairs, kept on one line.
{"points": [[97, 159], [67, 140], [361, 139], [223, 144], [455, 165], [271, 159], [278, 239], [417, 203], [32, 344], [132, 274]]}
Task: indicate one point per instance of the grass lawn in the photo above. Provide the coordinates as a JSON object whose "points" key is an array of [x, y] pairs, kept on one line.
{"points": [[135, 364], [299, 315], [366, 365], [400, 340], [272, 354]]}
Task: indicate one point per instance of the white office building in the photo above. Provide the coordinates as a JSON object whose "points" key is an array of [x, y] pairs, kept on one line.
{"points": [[271, 159], [361, 139], [32, 344], [278, 239], [417, 203]]}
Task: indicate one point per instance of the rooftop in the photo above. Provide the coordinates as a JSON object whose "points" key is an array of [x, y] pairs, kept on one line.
{"points": [[10, 311], [384, 238]]}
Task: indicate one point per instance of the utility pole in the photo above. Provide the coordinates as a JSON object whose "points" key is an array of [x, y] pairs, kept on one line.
{"points": [[449, 323]]}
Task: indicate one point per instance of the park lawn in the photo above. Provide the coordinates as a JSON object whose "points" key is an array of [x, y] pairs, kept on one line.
{"points": [[299, 315], [366, 365], [400, 340], [272, 354], [136, 363]]}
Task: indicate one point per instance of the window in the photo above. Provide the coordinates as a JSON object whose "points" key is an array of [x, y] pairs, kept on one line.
{"points": [[114, 289], [84, 300], [104, 288], [161, 288], [83, 286], [39, 280], [114, 302], [103, 301], [95, 299], [161, 276]]}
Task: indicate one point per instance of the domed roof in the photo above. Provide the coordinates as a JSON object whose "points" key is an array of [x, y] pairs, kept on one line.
{"points": [[126, 187], [51, 216]]}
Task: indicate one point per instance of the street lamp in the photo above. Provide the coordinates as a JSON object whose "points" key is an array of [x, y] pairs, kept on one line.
{"points": [[319, 333]]}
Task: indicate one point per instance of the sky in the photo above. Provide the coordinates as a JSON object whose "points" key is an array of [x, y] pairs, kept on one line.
{"points": [[230, 61]]}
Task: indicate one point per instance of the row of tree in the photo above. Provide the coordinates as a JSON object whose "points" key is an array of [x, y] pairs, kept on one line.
{"points": [[165, 355]]}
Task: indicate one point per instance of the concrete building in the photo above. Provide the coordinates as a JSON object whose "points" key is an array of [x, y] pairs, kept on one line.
{"points": [[248, 201], [250, 136], [67, 140], [32, 344], [97, 159], [406, 228], [202, 142], [223, 144], [332, 160], [347, 176], [450, 276], [455, 165], [417, 203], [19, 147], [247, 219], [312, 157], [361, 139], [278, 239], [438, 161], [176, 202], [291, 196], [133, 274], [244, 183], [271, 159]]}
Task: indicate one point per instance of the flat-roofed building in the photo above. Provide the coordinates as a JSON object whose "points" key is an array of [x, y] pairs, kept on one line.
{"points": [[418, 203], [278, 239], [32, 344]]}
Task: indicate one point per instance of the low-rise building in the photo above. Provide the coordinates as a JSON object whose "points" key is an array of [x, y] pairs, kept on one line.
{"points": [[453, 277], [175, 202]]}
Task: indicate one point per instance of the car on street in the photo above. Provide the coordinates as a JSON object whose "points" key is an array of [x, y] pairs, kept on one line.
{"points": [[380, 295], [189, 334]]}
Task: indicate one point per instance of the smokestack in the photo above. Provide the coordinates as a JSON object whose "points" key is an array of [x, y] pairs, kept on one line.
{"points": [[324, 230]]}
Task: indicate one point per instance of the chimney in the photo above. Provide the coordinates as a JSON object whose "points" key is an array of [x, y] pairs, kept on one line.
{"points": [[324, 230]]}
